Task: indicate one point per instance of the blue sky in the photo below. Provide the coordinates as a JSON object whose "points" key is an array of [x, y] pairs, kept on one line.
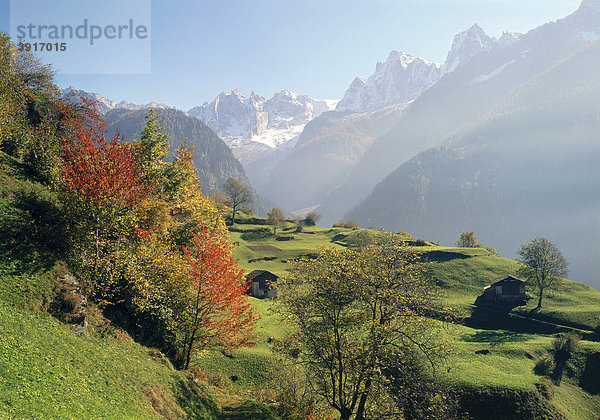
{"points": [[315, 47]]}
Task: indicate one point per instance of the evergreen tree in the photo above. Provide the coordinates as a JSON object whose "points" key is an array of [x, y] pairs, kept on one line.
{"points": [[152, 147]]}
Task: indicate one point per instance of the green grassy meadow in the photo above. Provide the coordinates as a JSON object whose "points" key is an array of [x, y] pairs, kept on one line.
{"points": [[515, 337]]}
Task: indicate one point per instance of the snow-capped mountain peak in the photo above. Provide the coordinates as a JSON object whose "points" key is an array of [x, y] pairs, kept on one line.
{"points": [[352, 98], [400, 79], [466, 45], [246, 123], [402, 58], [232, 114]]}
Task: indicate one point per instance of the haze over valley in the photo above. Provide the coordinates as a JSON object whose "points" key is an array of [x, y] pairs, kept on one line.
{"points": [[494, 139]]}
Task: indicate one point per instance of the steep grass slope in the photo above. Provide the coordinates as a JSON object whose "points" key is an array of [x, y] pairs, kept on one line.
{"points": [[46, 370]]}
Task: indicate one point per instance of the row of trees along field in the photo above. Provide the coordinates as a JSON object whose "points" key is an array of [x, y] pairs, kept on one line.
{"points": [[144, 242]]}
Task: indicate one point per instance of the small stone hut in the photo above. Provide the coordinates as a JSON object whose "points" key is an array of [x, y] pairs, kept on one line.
{"points": [[508, 290], [262, 284]]}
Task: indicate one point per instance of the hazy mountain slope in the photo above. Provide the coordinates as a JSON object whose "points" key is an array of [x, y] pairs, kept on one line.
{"points": [[329, 146], [214, 160], [463, 96], [325, 152], [528, 168]]}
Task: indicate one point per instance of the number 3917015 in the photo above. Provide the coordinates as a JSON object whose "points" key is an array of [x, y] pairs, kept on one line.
{"points": [[42, 46]]}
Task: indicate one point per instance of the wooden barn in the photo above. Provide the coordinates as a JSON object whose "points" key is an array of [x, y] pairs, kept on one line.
{"points": [[262, 284], [508, 290]]}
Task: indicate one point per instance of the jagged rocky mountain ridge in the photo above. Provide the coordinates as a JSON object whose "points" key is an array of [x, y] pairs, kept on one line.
{"points": [[471, 42], [104, 105], [399, 80], [402, 78], [254, 126]]}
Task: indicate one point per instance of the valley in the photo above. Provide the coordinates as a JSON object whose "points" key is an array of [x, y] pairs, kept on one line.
{"points": [[423, 246]]}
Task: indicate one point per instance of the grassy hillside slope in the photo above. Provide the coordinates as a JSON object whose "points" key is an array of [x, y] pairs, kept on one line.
{"points": [[464, 276], [46, 370], [494, 350]]}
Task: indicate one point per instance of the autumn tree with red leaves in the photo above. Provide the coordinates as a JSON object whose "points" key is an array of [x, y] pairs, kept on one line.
{"points": [[127, 242], [101, 171], [219, 313], [102, 182]]}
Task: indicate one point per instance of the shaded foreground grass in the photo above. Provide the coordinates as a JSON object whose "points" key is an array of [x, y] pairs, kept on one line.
{"points": [[48, 372]]}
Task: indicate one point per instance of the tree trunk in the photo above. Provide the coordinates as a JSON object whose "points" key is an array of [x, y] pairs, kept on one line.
{"points": [[539, 305], [190, 344], [345, 414], [94, 281], [189, 348], [360, 413]]}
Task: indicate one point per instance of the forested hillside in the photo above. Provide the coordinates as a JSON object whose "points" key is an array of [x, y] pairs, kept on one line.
{"points": [[212, 157]]}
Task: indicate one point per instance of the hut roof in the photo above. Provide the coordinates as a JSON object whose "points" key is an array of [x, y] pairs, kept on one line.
{"points": [[509, 278], [262, 276], [256, 273]]}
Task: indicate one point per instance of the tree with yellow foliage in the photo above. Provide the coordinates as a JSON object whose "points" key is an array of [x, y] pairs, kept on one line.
{"points": [[361, 324]]}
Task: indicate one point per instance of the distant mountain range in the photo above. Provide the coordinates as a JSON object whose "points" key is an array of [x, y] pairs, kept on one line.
{"points": [[104, 105], [254, 126], [325, 169], [464, 96], [402, 78]]}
